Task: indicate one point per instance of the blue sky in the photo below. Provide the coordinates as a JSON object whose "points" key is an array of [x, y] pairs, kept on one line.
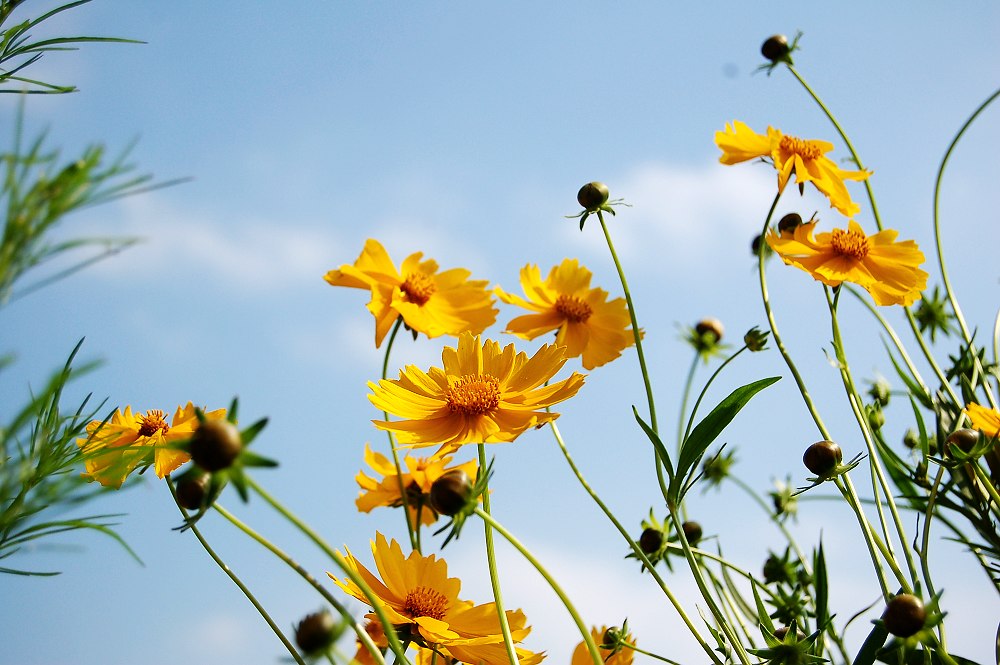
{"points": [[464, 131]]}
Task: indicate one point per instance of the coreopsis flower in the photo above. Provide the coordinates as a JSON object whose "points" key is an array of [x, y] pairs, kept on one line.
{"points": [[431, 302], [983, 419], [113, 449], [417, 480], [585, 321], [887, 269], [482, 395], [422, 603], [614, 656], [805, 158]]}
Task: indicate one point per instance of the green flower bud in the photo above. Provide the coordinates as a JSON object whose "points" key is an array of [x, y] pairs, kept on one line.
{"points": [[876, 419], [822, 458], [756, 339], [451, 492], [593, 195], [910, 439], [879, 392], [215, 445], [710, 326], [904, 615]]}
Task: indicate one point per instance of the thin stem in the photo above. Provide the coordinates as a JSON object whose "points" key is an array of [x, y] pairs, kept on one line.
{"points": [[784, 530], [362, 634], [709, 651], [688, 383], [526, 553], [776, 336], [925, 542], [239, 583], [508, 639], [412, 530], [704, 390], [647, 653]]}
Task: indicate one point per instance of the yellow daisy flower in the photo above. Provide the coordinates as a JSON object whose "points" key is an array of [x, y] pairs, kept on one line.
{"points": [[420, 475], [581, 655], [418, 597], [483, 395], [805, 158], [113, 449], [587, 324], [445, 303], [887, 269], [983, 419]]}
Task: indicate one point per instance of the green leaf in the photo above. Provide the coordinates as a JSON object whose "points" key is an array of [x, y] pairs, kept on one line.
{"points": [[661, 450], [869, 650]]}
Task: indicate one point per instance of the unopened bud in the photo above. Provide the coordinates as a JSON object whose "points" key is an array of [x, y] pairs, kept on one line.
{"points": [[651, 540], [822, 458], [593, 195], [316, 633], [450, 492], [215, 445], [904, 615], [775, 48], [692, 531], [710, 326], [192, 487], [789, 223]]}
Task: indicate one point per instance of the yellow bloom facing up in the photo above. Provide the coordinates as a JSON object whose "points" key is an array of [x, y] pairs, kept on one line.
{"points": [[422, 603], [445, 303], [417, 480], [887, 269], [983, 419], [581, 655], [113, 449], [586, 323], [483, 395], [803, 157]]}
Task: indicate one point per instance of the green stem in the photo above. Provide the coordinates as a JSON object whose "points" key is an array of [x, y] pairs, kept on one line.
{"points": [[685, 394], [581, 626], [925, 542], [775, 335], [647, 653], [508, 639], [709, 651], [239, 583], [704, 390], [362, 634], [413, 530], [803, 561]]}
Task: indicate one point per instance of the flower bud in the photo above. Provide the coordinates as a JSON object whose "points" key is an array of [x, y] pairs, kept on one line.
{"points": [[910, 439], [593, 195], [215, 445], [692, 531], [780, 632], [789, 223], [822, 458], [651, 540], [904, 615], [612, 636], [756, 339], [879, 392], [963, 439], [316, 633], [710, 326], [775, 48], [450, 492], [876, 419], [192, 487]]}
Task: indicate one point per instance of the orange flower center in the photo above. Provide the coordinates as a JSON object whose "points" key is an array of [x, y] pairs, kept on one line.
{"points": [[418, 287], [850, 243], [153, 422], [800, 147], [474, 394], [574, 309], [425, 602]]}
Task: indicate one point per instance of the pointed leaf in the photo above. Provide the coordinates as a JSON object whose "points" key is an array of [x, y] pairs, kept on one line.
{"points": [[661, 450]]}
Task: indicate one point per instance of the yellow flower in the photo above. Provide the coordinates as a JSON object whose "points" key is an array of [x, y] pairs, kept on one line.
{"points": [[983, 419], [421, 474], [803, 157], [887, 269], [422, 604], [113, 449], [483, 395], [586, 322], [581, 655], [445, 303]]}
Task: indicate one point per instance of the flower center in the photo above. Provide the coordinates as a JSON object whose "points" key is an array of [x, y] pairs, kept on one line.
{"points": [[418, 287], [153, 422], [574, 309], [425, 602], [805, 149], [474, 394], [850, 243]]}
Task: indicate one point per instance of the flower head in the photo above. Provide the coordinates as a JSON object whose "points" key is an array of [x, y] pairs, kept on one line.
{"points": [[887, 269], [585, 321], [484, 394], [983, 419], [434, 303], [790, 155], [416, 481], [417, 595], [116, 447]]}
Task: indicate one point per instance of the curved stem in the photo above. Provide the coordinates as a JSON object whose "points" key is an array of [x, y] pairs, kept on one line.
{"points": [[238, 582], [709, 651], [704, 390], [412, 530], [491, 560], [526, 553], [362, 634]]}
